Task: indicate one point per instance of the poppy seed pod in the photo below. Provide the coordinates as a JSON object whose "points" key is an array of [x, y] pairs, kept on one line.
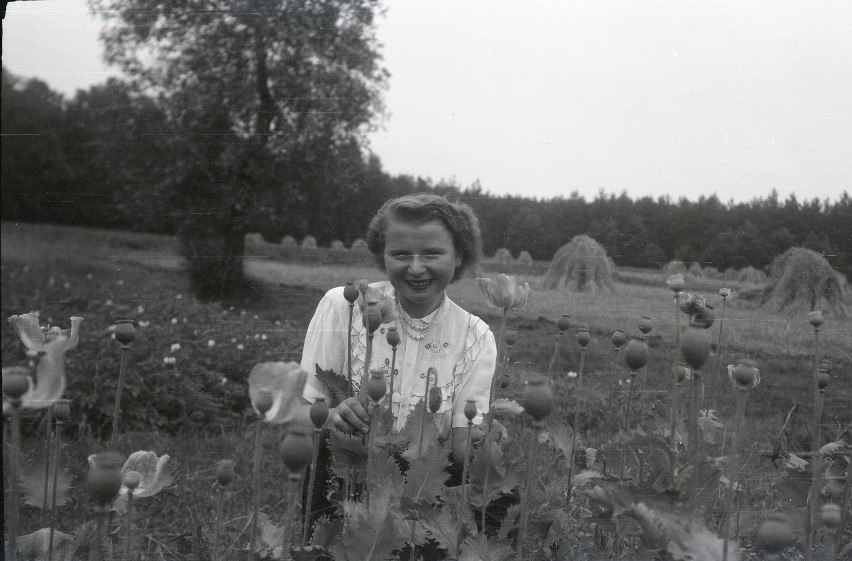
{"points": [[745, 373], [676, 283], [131, 479], [318, 412], [724, 292], [61, 410], [511, 337], [583, 337], [296, 450], [350, 292], [538, 398], [104, 478], [826, 365], [263, 403], [562, 324], [618, 338], [815, 318], [225, 472], [681, 371], [393, 337], [831, 515], [636, 354], [822, 379], [505, 380], [470, 410], [434, 399], [125, 332], [376, 385], [15, 382], [363, 285], [645, 325], [704, 318], [773, 534], [695, 347], [373, 316]]}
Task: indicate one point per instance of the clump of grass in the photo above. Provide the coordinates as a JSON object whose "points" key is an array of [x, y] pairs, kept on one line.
{"points": [[801, 279], [579, 265]]}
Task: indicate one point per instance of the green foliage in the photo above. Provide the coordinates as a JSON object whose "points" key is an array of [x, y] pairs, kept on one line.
{"points": [[32, 484]]}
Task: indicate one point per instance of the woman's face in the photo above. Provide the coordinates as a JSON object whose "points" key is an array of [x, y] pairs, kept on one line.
{"points": [[420, 260]]}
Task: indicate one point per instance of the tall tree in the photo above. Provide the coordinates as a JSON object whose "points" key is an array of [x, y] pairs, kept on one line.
{"points": [[267, 101]]}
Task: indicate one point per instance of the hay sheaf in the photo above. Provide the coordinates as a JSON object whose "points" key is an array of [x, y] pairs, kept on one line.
{"points": [[696, 271], [674, 267], [524, 258], [309, 242], [751, 275], [581, 264], [801, 280], [502, 256]]}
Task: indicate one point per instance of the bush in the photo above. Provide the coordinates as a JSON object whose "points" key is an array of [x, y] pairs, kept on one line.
{"points": [[214, 250], [581, 264], [800, 280], [750, 275]]}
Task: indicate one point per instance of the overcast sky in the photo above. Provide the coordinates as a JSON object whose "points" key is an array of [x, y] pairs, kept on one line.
{"points": [[542, 98]]}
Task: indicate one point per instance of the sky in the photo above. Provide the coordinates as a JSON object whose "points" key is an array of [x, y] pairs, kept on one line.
{"points": [[547, 97]]}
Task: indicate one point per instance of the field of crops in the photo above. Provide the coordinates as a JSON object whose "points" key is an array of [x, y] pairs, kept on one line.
{"points": [[616, 488]]}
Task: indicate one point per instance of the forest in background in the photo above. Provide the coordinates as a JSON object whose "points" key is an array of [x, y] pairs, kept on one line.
{"points": [[101, 159]]}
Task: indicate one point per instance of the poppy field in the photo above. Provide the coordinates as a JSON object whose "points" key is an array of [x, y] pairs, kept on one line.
{"points": [[670, 419]]}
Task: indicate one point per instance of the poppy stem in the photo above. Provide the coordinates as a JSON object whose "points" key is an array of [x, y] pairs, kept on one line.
{"points": [[742, 395], [15, 429], [694, 443], [55, 452], [576, 426], [255, 499], [117, 408], [525, 501], [129, 537], [715, 379], [312, 481], [217, 524], [816, 412], [390, 391], [47, 453], [349, 350], [611, 393], [463, 502], [675, 385], [423, 417]]}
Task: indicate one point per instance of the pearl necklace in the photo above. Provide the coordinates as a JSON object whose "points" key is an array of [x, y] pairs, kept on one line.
{"points": [[416, 331]]}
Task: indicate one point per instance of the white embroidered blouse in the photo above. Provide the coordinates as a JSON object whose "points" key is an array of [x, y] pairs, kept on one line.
{"points": [[459, 346]]}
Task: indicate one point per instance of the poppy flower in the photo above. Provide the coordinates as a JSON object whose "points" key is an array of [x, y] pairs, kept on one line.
{"points": [[35, 337], [284, 381], [504, 291], [154, 475]]}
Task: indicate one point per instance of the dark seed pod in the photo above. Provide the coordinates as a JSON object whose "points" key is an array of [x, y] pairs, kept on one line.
{"points": [[131, 479], [823, 379], [682, 371], [104, 478], [15, 382], [562, 324], [815, 318], [393, 337], [505, 380], [773, 534], [583, 337], [745, 373], [676, 283], [618, 338], [538, 398], [831, 515], [511, 337], [470, 410], [372, 317], [61, 410], [636, 354], [296, 449], [225, 472], [704, 318], [645, 325], [434, 399], [350, 292], [376, 385], [263, 403], [695, 347], [125, 332], [318, 412]]}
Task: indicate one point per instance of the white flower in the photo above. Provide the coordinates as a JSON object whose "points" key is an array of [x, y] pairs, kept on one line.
{"points": [[241, 346], [255, 316], [242, 312], [263, 337], [108, 303], [233, 339], [572, 374], [144, 323], [184, 320], [277, 322], [175, 347], [211, 342], [174, 321], [66, 286], [169, 360], [120, 282], [224, 381], [178, 296], [89, 276], [140, 309], [256, 336], [156, 474]]}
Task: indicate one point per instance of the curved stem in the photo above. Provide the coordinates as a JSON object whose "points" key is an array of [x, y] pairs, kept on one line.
{"points": [[463, 503], [742, 395], [576, 426], [349, 349], [12, 532], [553, 358], [489, 416], [312, 481], [815, 444], [129, 537], [370, 440], [55, 452], [117, 408], [368, 355], [390, 389], [715, 377], [611, 394], [424, 411], [525, 501], [255, 497], [48, 451], [218, 521], [693, 442]]}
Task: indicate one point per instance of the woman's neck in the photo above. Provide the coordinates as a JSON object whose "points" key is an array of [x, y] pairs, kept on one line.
{"points": [[417, 310]]}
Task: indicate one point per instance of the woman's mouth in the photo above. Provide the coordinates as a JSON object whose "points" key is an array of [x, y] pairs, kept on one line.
{"points": [[418, 284]]}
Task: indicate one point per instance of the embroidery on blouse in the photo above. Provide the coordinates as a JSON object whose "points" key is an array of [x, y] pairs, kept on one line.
{"points": [[473, 348], [437, 346]]}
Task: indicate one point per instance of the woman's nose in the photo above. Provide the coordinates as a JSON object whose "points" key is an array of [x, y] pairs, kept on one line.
{"points": [[416, 264]]}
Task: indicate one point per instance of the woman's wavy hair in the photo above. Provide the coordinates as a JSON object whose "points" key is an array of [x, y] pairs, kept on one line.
{"points": [[419, 208]]}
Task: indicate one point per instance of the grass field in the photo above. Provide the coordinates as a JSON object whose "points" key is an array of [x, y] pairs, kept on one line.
{"points": [[102, 275]]}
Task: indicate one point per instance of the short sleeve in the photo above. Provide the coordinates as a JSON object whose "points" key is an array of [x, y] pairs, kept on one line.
{"points": [[325, 343], [479, 369]]}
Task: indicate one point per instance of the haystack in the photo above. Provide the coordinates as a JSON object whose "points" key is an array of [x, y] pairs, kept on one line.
{"points": [[674, 267], [581, 264], [696, 271], [750, 275], [801, 280], [524, 258], [337, 246], [502, 256], [288, 243], [309, 242], [712, 272], [359, 246]]}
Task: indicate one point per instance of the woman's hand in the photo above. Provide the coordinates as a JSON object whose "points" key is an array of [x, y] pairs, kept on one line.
{"points": [[350, 417]]}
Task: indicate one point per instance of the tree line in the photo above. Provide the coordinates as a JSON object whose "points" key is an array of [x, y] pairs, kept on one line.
{"points": [[98, 159]]}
